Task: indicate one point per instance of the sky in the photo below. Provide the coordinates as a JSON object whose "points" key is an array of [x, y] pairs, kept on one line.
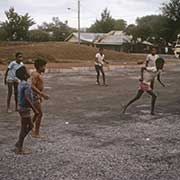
{"points": [[43, 10]]}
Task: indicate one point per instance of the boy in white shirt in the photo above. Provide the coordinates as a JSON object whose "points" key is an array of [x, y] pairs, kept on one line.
{"points": [[147, 76], [99, 63], [11, 80], [151, 61]]}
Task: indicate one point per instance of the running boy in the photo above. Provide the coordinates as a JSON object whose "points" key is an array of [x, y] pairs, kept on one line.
{"points": [[99, 63], [25, 102], [38, 94], [147, 76], [11, 80]]}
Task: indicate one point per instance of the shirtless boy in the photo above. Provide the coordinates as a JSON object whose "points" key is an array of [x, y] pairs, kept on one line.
{"points": [[38, 94]]}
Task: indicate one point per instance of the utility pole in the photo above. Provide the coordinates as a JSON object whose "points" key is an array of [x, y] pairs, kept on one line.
{"points": [[79, 27]]}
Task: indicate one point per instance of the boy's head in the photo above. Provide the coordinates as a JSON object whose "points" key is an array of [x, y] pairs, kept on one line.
{"points": [[40, 65], [101, 50], [22, 73], [153, 50], [160, 63], [19, 57]]}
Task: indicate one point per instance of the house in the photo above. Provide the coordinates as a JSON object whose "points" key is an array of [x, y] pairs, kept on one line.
{"points": [[85, 38], [115, 40]]}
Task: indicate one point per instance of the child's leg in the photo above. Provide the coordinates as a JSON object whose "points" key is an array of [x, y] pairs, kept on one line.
{"points": [[103, 75], [16, 94], [139, 94], [152, 101], [26, 127], [10, 85], [37, 120], [98, 73], [152, 84]]}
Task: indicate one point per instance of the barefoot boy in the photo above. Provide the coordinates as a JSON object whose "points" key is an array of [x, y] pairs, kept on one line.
{"points": [[25, 102], [147, 76], [11, 80], [99, 63], [38, 94], [151, 61]]}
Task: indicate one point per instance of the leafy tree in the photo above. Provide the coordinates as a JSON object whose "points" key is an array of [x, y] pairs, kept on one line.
{"points": [[156, 26], [172, 11], [107, 23], [38, 35], [16, 25], [58, 29]]}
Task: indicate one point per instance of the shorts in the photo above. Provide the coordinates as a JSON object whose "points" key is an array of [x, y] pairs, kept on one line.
{"points": [[24, 112], [144, 87]]}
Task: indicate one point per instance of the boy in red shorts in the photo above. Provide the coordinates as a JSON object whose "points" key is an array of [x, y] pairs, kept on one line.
{"points": [[148, 75]]}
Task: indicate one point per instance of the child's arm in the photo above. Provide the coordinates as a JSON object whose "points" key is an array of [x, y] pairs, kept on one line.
{"points": [[105, 61], [31, 105], [142, 73], [5, 76], [159, 80]]}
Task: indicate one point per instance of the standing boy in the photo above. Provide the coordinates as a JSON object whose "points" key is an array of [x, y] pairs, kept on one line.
{"points": [[147, 76], [25, 102], [151, 61], [11, 80], [99, 63], [38, 94]]}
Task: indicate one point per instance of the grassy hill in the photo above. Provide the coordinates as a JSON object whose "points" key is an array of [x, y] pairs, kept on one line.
{"points": [[63, 53]]}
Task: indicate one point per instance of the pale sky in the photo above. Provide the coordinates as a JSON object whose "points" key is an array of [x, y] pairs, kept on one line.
{"points": [[44, 10]]}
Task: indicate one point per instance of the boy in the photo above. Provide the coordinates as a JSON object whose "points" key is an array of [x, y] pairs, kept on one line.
{"points": [[151, 61], [38, 94], [99, 63], [11, 80], [147, 76], [25, 102]]}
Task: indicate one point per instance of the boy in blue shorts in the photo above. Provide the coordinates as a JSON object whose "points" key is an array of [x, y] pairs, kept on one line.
{"points": [[25, 102]]}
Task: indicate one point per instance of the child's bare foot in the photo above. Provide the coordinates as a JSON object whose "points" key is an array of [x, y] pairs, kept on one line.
{"points": [[152, 113], [9, 110], [38, 136], [105, 84], [24, 151]]}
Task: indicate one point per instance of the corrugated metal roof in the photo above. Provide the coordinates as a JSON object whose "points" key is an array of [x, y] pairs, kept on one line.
{"points": [[88, 37], [114, 38]]}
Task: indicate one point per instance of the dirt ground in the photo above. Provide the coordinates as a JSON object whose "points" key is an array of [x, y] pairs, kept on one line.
{"points": [[89, 138]]}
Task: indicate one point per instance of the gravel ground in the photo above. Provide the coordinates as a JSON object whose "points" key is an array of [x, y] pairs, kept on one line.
{"points": [[89, 138]]}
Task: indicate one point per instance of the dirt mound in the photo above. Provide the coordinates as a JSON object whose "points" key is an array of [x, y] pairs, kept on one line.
{"points": [[60, 52]]}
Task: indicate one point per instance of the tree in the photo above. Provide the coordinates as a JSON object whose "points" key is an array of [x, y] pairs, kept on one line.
{"points": [[38, 35], [16, 25], [58, 29], [3, 34], [156, 26], [172, 11], [107, 23]]}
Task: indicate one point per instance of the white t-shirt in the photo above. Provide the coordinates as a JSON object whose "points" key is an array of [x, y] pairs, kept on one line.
{"points": [[150, 74], [151, 60], [100, 59], [13, 66]]}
